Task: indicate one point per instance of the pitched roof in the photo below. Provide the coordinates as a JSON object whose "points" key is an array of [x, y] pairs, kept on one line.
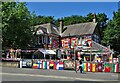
{"points": [[44, 30], [97, 46], [79, 29], [50, 28]]}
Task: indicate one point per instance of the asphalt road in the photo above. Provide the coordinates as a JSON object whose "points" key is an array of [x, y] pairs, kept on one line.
{"points": [[39, 75]]}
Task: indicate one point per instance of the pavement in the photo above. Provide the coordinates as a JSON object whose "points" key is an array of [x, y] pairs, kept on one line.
{"points": [[40, 75]]}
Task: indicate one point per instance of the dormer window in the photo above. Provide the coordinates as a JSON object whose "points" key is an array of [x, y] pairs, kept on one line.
{"points": [[39, 32]]}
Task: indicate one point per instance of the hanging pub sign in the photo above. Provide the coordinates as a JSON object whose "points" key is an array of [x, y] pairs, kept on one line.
{"points": [[87, 57], [62, 42], [50, 39], [66, 43], [89, 39], [80, 43], [87, 42], [55, 42], [74, 42]]}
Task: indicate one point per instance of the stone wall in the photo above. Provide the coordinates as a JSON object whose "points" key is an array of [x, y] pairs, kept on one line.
{"points": [[9, 64]]}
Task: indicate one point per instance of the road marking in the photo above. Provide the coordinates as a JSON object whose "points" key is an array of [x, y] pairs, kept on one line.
{"points": [[59, 77], [67, 71], [115, 75]]}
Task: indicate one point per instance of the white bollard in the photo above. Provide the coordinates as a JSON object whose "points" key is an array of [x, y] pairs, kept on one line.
{"points": [[20, 63]]}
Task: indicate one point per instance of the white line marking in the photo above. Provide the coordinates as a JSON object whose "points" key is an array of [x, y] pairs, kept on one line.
{"points": [[115, 75], [60, 77]]}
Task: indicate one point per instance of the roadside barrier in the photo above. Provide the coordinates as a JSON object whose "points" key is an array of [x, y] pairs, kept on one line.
{"points": [[10, 64], [26, 63], [99, 67], [55, 65], [115, 67], [51, 64], [42, 64], [89, 67], [69, 64], [94, 67], [107, 67], [60, 65], [85, 67], [35, 66]]}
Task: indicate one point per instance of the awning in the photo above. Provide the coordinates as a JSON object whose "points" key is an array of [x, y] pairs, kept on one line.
{"points": [[42, 50], [46, 51], [50, 52]]}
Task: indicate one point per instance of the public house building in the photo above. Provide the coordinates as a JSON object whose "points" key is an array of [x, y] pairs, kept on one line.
{"points": [[74, 41]]}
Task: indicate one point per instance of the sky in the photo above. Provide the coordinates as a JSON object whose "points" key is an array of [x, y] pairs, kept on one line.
{"points": [[64, 9]]}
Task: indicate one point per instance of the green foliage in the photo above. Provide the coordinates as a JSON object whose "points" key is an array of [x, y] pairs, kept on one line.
{"points": [[102, 20], [74, 19], [89, 17], [71, 20], [16, 21], [42, 20], [112, 32], [102, 23]]}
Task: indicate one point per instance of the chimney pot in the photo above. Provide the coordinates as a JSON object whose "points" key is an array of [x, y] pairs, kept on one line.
{"points": [[94, 18], [61, 27]]}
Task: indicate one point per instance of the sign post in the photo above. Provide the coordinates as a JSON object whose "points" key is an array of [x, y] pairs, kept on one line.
{"points": [[20, 63]]}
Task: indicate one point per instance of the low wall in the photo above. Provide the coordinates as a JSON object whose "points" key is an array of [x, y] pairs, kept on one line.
{"points": [[63, 65], [42, 64], [69, 64], [9, 64], [0, 64]]}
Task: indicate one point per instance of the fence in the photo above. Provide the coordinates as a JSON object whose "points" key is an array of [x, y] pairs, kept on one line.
{"points": [[69, 64], [44, 64]]}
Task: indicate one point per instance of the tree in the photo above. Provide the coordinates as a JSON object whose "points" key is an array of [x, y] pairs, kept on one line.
{"points": [[16, 21], [74, 19], [101, 18], [102, 23], [112, 32], [42, 20], [89, 17]]}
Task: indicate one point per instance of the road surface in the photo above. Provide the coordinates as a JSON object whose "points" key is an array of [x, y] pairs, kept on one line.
{"points": [[28, 74]]}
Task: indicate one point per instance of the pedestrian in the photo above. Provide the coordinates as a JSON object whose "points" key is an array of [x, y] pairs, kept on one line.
{"points": [[80, 65]]}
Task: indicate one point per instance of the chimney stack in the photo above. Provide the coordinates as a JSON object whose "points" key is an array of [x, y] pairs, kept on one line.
{"points": [[94, 18], [61, 27]]}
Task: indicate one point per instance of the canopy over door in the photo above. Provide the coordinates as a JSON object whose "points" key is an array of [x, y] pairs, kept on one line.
{"points": [[46, 51]]}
